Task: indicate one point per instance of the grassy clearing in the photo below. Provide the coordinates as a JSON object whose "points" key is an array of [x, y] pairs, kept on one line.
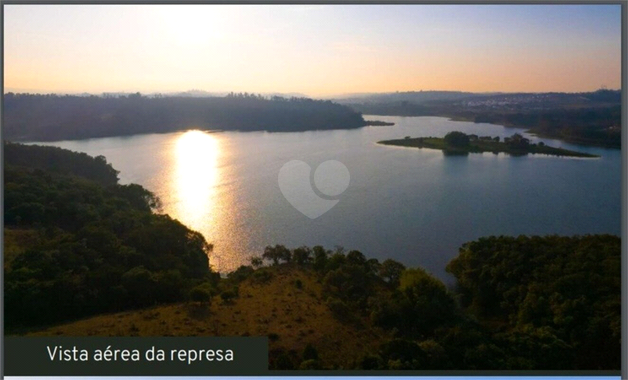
{"points": [[292, 315]]}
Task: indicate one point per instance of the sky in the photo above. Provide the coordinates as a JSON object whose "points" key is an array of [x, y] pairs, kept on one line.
{"points": [[315, 50]]}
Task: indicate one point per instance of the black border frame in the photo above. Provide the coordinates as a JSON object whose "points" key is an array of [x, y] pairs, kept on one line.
{"points": [[624, 174]]}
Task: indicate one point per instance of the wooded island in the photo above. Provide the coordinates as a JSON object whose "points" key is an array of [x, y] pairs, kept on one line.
{"points": [[459, 143]]}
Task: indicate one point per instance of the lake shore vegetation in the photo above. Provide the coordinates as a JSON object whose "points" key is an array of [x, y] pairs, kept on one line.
{"points": [[86, 256], [459, 143], [35, 117]]}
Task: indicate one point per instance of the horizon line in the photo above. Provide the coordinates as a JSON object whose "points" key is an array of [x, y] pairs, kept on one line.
{"points": [[296, 93]]}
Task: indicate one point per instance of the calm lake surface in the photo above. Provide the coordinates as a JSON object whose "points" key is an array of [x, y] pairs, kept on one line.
{"points": [[416, 206]]}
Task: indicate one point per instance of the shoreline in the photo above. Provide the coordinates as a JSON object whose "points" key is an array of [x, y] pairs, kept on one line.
{"points": [[483, 146]]}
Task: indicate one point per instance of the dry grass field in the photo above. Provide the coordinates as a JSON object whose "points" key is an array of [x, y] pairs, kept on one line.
{"points": [[291, 315]]}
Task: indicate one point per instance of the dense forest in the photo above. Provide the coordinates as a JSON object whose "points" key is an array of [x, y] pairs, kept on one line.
{"points": [[30, 117], [79, 244], [521, 303], [60, 161], [562, 293]]}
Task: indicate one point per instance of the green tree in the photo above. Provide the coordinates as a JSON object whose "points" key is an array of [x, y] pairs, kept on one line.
{"points": [[320, 258], [356, 258], [228, 296], [140, 285], [391, 270], [430, 304], [257, 261], [302, 255], [273, 254], [201, 294], [457, 139]]}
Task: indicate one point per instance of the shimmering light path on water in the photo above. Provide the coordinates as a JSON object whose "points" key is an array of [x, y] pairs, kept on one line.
{"points": [[416, 206]]}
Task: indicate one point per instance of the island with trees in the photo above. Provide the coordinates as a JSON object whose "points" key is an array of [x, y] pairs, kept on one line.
{"points": [[459, 143], [86, 256], [587, 118]]}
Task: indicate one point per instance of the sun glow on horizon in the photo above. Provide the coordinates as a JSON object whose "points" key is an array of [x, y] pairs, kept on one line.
{"points": [[192, 26], [313, 50]]}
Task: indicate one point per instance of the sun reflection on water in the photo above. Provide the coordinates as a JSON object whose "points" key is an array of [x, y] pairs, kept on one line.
{"points": [[196, 177]]}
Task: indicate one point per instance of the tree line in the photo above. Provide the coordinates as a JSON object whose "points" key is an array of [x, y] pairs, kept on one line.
{"points": [[520, 303], [597, 126], [35, 117]]}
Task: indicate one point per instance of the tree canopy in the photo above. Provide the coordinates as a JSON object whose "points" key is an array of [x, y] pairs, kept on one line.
{"points": [[457, 139], [556, 289], [98, 246]]}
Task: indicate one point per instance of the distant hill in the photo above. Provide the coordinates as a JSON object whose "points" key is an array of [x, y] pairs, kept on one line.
{"points": [[29, 117], [590, 118], [407, 96], [477, 99]]}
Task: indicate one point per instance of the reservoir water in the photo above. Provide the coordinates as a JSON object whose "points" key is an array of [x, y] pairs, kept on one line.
{"points": [[416, 206]]}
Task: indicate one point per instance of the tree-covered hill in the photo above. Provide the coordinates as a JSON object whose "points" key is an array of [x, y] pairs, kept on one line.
{"points": [[333, 309], [93, 245], [29, 117], [60, 161], [562, 290]]}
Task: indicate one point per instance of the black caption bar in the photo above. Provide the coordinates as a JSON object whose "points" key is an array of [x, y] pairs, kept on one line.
{"points": [[124, 356]]}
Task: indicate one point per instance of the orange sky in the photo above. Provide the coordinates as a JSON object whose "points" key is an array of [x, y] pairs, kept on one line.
{"points": [[317, 50]]}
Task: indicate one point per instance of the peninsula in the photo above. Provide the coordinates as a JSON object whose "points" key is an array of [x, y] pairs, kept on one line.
{"points": [[459, 143], [35, 117]]}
